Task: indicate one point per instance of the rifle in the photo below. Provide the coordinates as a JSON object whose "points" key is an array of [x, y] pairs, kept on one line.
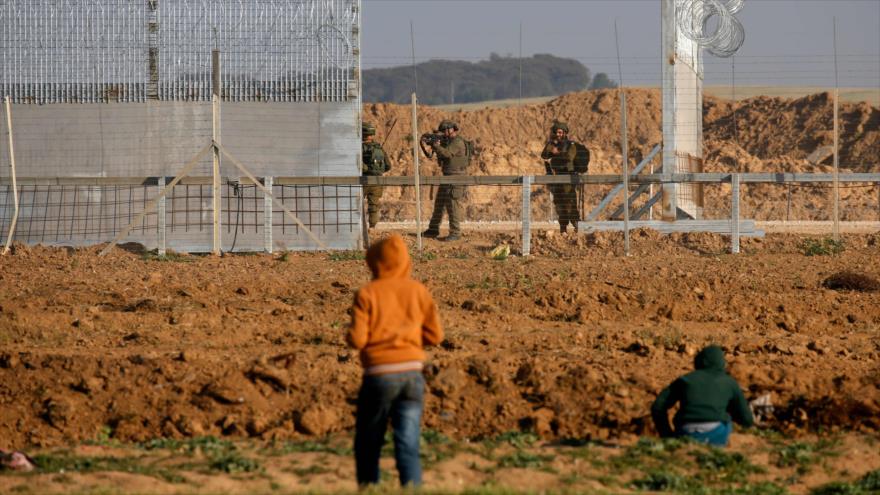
{"points": [[388, 133]]}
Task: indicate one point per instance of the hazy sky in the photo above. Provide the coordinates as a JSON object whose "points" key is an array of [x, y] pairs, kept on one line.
{"points": [[788, 42]]}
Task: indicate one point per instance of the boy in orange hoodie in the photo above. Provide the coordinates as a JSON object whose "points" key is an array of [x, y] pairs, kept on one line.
{"points": [[393, 317]]}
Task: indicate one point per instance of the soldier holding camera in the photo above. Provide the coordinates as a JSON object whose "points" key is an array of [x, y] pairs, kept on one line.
{"points": [[452, 155], [375, 163], [559, 155]]}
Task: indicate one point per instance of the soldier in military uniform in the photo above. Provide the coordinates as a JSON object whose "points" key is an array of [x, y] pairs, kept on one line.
{"points": [[452, 156], [375, 163], [559, 154]]}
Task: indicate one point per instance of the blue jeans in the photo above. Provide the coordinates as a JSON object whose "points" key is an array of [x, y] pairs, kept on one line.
{"points": [[717, 437], [398, 396]]}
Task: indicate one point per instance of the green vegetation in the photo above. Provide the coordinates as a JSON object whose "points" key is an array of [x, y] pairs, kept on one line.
{"points": [[803, 455], [522, 459], [64, 462], [170, 256], [222, 455], [321, 446], [867, 484], [821, 247], [648, 465], [346, 255]]}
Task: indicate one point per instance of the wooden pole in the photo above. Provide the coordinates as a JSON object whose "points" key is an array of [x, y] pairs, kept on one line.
{"points": [[12, 176], [624, 143], [216, 192], [836, 230], [415, 141], [625, 146]]}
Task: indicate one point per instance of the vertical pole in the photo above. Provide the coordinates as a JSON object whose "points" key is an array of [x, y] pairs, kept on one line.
{"points": [[215, 136], [624, 143], [734, 214], [625, 146], [153, 49], [216, 90], [520, 64], [160, 218], [526, 215], [412, 42], [415, 142], [651, 193], [12, 176], [267, 216], [668, 95], [836, 230]]}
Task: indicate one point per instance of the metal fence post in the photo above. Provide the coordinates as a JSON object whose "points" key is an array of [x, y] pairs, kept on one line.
{"points": [[267, 216], [734, 214], [418, 191], [160, 218], [526, 215]]}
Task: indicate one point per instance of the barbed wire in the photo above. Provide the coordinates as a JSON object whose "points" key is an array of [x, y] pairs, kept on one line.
{"points": [[693, 19]]}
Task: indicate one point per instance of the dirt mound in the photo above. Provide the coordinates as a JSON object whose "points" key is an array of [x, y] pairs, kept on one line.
{"points": [[767, 135], [851, 281]]}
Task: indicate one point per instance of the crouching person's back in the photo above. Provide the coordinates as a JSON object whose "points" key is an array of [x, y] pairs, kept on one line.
{"points": [[393, 318], [709, 399]]}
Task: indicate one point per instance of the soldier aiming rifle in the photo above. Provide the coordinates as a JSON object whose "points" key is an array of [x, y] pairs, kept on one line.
{"points": [[453, 156]]}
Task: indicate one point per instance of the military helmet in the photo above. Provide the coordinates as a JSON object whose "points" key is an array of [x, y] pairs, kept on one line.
{"points": [[447, 124], [368, 129], [559, 125]]}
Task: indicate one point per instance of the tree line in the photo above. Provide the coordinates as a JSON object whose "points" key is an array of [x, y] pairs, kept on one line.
{"points": [[442, 82]]}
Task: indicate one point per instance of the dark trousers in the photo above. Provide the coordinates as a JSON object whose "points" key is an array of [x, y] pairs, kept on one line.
{"points": [[565, 202], [448, 200], [397, 396], [374, 195]]}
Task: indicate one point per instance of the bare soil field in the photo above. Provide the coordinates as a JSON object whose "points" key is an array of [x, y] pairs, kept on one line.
{"points": [[125, 371]]}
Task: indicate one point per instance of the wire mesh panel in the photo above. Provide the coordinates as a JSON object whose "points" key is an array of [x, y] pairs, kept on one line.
{"points": [[86, 51], [73, 51], [78, 215]]}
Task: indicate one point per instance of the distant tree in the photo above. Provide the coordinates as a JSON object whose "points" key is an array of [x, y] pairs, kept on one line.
{"points": [[493, 79], [602, 81]]}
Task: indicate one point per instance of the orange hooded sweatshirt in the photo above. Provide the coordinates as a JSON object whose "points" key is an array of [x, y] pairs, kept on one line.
{"points": [[393, 316]]}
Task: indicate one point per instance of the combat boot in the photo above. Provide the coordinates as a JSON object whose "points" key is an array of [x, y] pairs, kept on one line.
{"points": [[431, 234]]}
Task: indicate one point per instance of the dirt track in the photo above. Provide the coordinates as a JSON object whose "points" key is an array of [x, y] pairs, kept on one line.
{"points": [[572, 342]]}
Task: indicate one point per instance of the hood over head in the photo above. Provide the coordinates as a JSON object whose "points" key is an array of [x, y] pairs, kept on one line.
{"points": [[710, 358], [389, 258]]}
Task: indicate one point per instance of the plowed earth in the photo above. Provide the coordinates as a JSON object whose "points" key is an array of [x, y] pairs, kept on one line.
{"points": [[574, 341]]}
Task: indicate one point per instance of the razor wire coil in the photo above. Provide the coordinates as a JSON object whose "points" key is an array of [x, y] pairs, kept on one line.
{"points": [[694, 19]]}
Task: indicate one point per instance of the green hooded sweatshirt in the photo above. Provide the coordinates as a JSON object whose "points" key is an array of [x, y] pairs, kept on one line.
{"points": [[705, 395]]}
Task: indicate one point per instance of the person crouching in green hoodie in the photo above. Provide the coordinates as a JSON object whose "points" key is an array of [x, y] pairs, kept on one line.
{"points": [[708, 400]]}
